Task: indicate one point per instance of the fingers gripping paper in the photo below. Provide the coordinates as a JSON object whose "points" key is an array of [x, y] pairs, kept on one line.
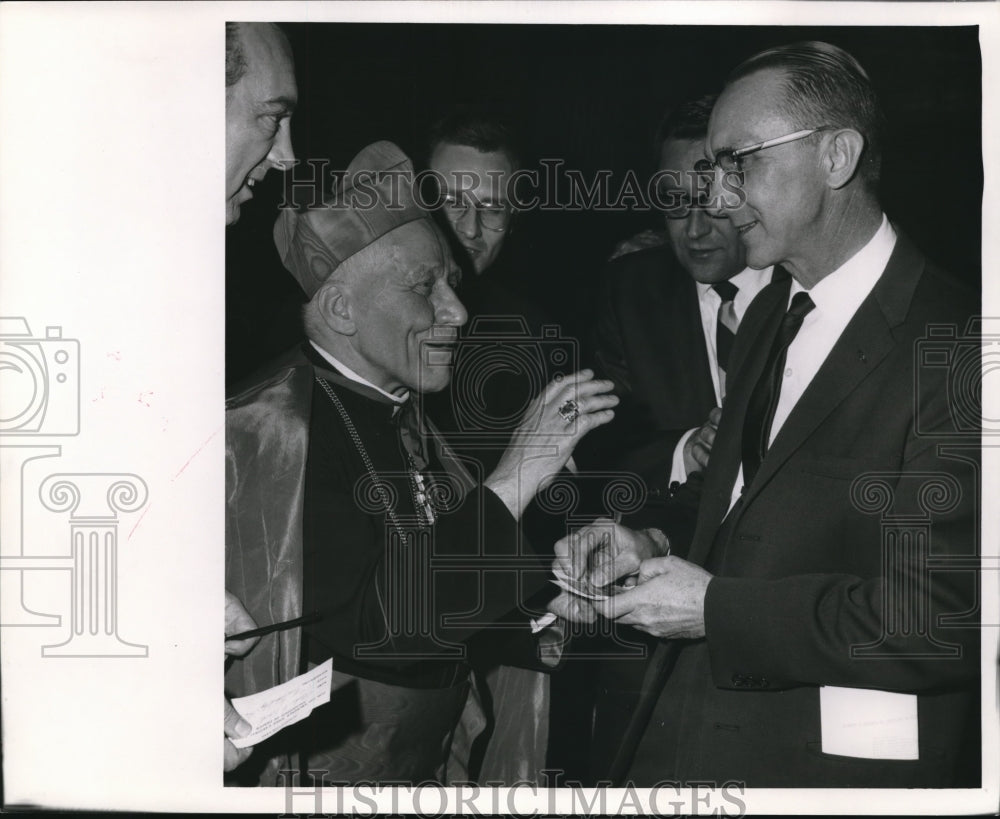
{"points": [[271, 710]]}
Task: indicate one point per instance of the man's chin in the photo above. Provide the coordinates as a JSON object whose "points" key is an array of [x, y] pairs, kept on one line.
{"points": [[434, 382]]}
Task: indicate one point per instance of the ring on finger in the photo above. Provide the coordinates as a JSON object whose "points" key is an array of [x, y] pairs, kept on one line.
{"points": [[569, 411]]}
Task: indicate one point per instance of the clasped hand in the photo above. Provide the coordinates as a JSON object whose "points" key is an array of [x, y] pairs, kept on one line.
{"points": [[655, 592]]}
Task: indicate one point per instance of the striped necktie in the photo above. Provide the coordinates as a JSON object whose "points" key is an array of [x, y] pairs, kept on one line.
{"points": [[725, 328]]}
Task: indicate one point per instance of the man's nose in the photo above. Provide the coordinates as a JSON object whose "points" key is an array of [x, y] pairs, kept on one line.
{"points": [[281, 151], [724, 199], [449, 309], [699, 223], [468, 223]]}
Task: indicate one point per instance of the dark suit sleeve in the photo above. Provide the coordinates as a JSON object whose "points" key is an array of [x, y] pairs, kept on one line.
{"points": [[869, 632], [631, 441]]}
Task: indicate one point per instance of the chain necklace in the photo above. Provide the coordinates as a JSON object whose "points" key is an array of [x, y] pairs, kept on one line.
{"points": [[421, 501]]}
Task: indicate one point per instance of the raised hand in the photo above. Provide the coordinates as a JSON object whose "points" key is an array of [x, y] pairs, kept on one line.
{"points": [[555, 421]]}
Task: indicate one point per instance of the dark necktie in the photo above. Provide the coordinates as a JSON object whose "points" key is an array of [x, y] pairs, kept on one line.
{"points": [[764, 399], [725, 328]]}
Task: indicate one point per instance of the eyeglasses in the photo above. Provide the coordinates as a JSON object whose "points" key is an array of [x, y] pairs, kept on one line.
{"points": [[490, 215], [731, 158], [683, 209], [678, 201]]}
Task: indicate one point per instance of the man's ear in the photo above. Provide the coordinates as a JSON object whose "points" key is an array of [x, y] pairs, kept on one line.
{"points": [[335, 308], [842, 157]]}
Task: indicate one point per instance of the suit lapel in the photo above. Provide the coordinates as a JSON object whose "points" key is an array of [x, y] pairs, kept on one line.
{"points": [[861, 347], [865, 342], [756, 334]]}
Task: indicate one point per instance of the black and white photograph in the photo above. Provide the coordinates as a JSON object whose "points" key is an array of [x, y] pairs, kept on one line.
{"points": [[576, 411]]}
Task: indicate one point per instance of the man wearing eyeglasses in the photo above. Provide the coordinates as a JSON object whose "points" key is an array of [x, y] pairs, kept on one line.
{"points": [[667, 318], [474, 157], [810, 642], [497, 372], [666, 321]]}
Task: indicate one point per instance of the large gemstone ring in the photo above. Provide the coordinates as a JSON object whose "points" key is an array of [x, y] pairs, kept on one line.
{"points": [[569, 411]]}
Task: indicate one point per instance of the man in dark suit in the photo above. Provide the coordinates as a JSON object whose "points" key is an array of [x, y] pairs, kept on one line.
{"points": [[666, 321], [665, 324], [813, 644]]}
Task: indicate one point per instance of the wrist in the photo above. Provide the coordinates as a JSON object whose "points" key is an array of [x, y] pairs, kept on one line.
{"points": [[507, 490]]}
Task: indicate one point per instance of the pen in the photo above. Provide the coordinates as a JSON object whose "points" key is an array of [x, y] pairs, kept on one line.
{"points": [[260, 632]]}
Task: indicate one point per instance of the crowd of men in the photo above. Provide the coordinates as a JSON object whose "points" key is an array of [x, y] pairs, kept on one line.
{"points": [[755, 369]]}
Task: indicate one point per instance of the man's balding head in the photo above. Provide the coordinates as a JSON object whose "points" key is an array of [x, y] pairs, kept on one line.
{"points": [[260, 97]]}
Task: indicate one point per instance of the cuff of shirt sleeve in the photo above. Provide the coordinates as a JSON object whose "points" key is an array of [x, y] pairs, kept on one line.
{"points": [[678, 473]]}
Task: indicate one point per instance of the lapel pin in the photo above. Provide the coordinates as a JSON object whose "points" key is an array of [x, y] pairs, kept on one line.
{"points": [[862, 357]]}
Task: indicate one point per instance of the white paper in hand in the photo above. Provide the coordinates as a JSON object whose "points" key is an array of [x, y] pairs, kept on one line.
{"points": [[271, 710], [579, 589]]}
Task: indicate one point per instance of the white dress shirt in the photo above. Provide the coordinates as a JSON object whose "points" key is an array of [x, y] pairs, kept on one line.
{"points": [[837, 298], [750, 282]]}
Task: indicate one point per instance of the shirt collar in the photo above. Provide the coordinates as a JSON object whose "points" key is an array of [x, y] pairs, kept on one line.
{"points": [[843, 290], [748, 280], [349, 374]]}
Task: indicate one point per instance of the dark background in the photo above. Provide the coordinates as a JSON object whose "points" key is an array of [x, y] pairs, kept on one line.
{"points": [[592, 96]]}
